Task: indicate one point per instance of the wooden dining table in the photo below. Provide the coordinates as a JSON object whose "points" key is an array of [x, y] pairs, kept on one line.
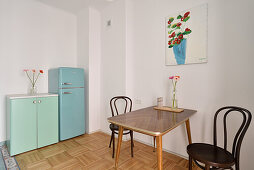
{"points": [[151, 122]]}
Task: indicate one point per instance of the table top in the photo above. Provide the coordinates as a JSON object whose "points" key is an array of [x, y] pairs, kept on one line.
{"points": [[150, 121]]}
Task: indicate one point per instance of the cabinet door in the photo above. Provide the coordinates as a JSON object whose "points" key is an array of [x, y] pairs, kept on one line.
{"points": [[23, 130], [47, 109]]}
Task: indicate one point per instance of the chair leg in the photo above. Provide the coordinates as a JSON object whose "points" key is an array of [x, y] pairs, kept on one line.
{"points": [[111, 140], [113, 154], [190, 163], [154, 138], [131, 135], [132, 144]]}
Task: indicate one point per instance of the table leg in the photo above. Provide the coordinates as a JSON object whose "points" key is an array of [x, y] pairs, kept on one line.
{"points": [[120, 135], [159, 151], [187, 123]]}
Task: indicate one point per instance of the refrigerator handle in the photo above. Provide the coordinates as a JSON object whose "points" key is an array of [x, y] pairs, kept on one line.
{"points": [[66, 83], [67, 92]]}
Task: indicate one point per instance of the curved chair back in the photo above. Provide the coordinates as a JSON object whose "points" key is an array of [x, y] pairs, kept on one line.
{"points": [[127, 104], [240, 133]]}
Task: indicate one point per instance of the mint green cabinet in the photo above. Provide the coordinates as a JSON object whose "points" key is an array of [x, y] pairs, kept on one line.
{"points": [[23, 126], [32, 122], [47, 121]]}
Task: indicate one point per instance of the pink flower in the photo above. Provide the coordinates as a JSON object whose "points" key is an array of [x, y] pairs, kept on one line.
{"points": [[171, 77], [176, 78], [25, 70], [33, 70]]}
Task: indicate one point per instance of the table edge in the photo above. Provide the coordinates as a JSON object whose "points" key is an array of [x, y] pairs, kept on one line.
{"points": [[146, 131]]}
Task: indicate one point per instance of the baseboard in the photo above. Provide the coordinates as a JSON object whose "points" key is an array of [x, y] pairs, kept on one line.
{"points": [[149, 144], [162, 149], [109, 133], [125, 138], [93, 131]]}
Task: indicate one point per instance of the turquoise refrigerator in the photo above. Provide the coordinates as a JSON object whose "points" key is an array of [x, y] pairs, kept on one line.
{"points": [[68, 83]]}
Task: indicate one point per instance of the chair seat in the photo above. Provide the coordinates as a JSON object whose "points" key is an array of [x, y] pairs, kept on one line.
{"points": [[211, 155], [115, 127]]}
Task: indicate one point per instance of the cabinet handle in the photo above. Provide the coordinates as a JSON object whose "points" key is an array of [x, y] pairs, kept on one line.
{"points": [[66, 83], [34, 102], [67, 92], [39, 101]]}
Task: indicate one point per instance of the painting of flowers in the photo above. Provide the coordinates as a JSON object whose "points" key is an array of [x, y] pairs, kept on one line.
{"points": [[186, 36]]}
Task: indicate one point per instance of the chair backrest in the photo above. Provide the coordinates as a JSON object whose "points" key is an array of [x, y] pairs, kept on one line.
{"points": [[127, 104], [240, 133]]}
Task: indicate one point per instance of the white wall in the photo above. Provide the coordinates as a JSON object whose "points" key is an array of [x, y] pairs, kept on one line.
{"points": [[83, 54], [89, 57], [128, 58], [113, 40], [94, 69], [225, 80], [33, 35]]}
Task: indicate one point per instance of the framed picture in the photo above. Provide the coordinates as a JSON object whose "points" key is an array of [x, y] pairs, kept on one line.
{"points": [[186, 36]]}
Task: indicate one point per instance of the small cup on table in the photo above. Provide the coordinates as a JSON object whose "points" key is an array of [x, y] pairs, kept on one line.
{"points": [[159, 101]]}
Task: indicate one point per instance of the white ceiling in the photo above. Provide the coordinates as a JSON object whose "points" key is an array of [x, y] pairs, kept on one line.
{"points": [[74, 6]]}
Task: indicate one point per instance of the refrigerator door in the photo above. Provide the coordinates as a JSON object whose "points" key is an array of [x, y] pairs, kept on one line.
{"points": [[71, 77], [72, 116]]}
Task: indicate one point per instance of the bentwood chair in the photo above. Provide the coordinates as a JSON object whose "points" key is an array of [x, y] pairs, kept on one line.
{"points": [[115, 104], [214, 156]]}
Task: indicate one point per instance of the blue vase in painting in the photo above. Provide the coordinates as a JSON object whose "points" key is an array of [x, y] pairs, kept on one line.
{"points": [[180, 52]]}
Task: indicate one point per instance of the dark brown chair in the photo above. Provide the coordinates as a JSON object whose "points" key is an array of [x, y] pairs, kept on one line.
{"points": [[114, 128], [214, 156]]}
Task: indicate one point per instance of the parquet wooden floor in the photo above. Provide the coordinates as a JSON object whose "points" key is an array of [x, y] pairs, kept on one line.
{"points": [[91, 152]]}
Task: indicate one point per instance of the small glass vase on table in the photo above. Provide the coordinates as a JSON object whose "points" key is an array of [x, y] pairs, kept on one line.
{"points": [[33, 77], [173, 100], [33, 90], [173, 95]]}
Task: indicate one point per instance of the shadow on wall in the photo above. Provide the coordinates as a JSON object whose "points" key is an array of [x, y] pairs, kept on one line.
{"points": [[206, 120]]}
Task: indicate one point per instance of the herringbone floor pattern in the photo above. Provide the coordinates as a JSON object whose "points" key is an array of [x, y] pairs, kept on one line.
{"points": [[91, 152]]}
